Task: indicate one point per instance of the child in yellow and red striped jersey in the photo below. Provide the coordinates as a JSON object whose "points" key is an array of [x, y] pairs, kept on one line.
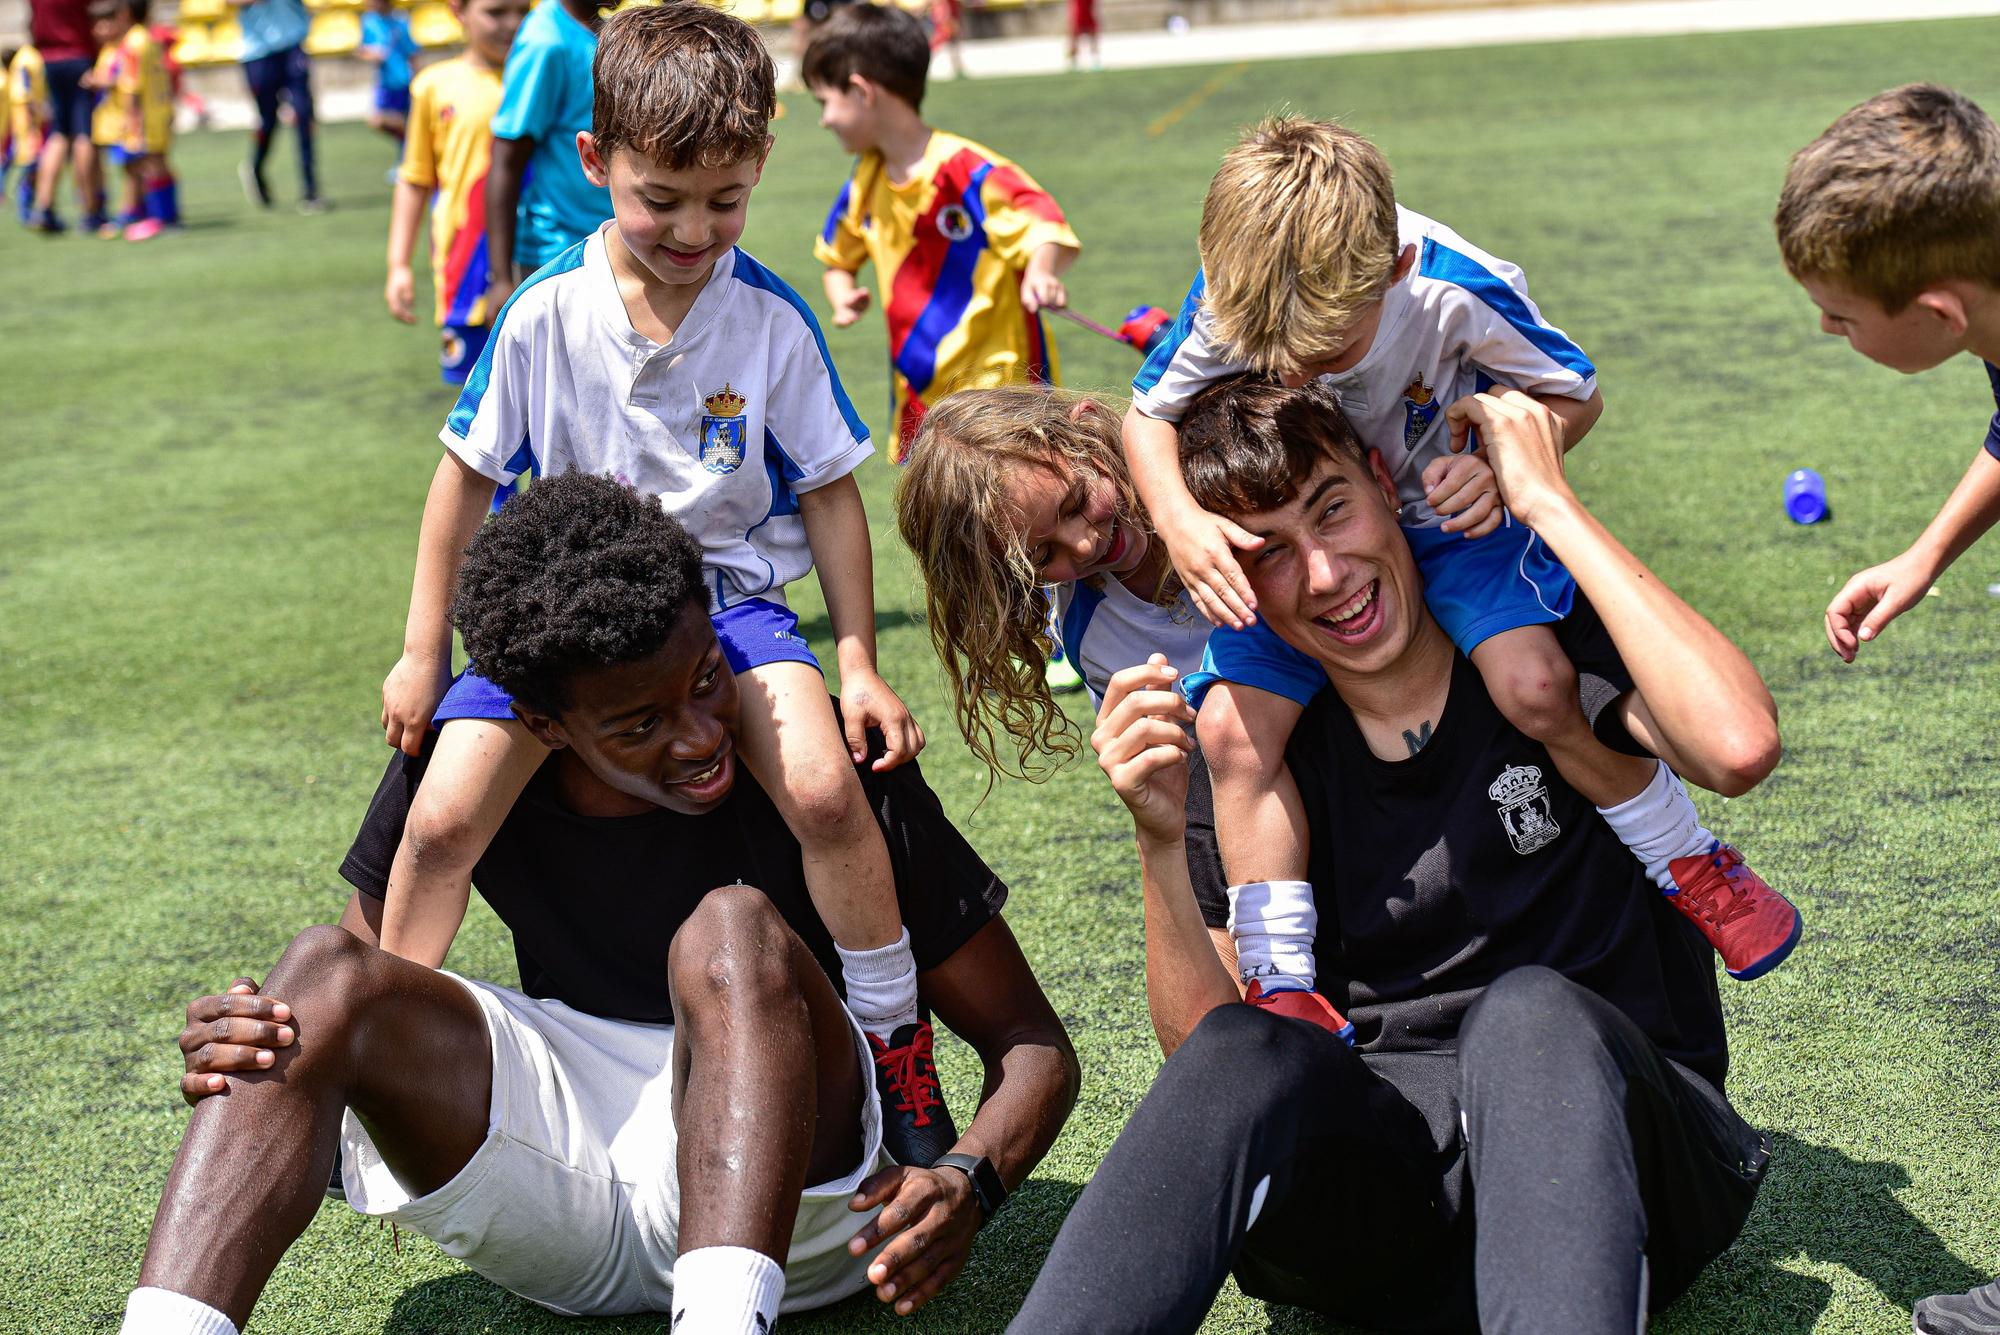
{"points": [[134, 120], [25, 123], [966, 247], [445, 156]]}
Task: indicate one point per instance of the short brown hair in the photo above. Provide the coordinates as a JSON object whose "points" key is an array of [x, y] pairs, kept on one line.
{"points": [[684, 84], [1901, 192], [1298, 234], [884, 44], [1248, 445]]}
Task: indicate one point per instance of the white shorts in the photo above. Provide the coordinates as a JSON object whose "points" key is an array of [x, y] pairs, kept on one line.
{"points": [[573, 1199]]}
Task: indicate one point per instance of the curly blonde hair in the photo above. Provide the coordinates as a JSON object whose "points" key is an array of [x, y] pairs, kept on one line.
{"points": [[987, 611]]}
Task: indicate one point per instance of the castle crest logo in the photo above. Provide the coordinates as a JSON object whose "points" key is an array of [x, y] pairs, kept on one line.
{"points": [[1524, 807], [1420, 409], [724, 429]]}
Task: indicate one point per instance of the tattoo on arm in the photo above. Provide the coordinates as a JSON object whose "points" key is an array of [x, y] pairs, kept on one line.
{"points": [[1419, 739]]}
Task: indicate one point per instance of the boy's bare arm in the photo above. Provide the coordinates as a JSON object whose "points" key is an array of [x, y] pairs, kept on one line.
{"points": [[837, 531], [1201, 544], [458, 501], [1042, 280], [1873, 598], [406, 219], [1576, 415], [845, 295], [504, 174]]}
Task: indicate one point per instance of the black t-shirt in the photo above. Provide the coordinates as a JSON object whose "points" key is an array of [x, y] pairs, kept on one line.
{"points": [[1993, 427], [593, 902], [1436, 874]]}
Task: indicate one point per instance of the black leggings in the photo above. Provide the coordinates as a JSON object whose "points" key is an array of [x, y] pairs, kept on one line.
{"points": [[1557, 1173], [285, 75]]}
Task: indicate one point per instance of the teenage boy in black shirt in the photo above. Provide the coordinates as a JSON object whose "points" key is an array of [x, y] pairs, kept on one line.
{"points": [[1530, 1134], [636, 1129]]}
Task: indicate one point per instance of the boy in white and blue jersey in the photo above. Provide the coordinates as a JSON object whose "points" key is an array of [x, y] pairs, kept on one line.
{"points": [[656, 352], [1399, 317]]}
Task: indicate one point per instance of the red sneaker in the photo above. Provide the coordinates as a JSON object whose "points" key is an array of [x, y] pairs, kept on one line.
{"points": [[1751, 926], [1300, 1004], [916, 1126]]}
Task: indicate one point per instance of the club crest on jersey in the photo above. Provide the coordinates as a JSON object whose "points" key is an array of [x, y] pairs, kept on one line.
{"points": [[954, 221], [1420, 409], [723, 429], [1524, 807]]}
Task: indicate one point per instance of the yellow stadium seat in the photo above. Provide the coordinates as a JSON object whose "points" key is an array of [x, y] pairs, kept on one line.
{"points": [[192, 48], [784, 11], [335, 32], [435, 25], [203, 11], [750, 11], [225, 42]]}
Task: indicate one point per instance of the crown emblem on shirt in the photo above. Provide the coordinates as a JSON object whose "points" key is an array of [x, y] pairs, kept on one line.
{"points": [[1516, 783], [725, 402], [1418, 392]]}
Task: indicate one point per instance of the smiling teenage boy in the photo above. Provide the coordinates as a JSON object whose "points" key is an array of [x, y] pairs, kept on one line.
{"points": [[1311, 270], [658, 353]]}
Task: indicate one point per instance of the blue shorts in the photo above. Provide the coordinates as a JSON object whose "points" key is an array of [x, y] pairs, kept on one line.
{"points": [[752, 634], [396, 100], [1474, 587], [459, 346]]}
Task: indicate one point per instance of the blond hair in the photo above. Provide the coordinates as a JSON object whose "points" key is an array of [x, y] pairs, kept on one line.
{"points": [[1298, 235], [684, 84], [1900, 193], [987, 612]]}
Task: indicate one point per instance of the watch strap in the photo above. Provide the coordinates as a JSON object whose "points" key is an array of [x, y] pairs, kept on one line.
{"points": [[987, 1188]]}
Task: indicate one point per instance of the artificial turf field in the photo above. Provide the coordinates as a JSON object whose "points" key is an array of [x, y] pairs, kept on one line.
{"points": [[217, 447]]}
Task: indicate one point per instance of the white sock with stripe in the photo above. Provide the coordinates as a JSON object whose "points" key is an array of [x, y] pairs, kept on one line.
{"points": [[1272, 923], [1659, 825], [726, 1291]]}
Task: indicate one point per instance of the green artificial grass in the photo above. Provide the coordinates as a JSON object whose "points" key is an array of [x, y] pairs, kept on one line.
{"points": [[217, 447]]}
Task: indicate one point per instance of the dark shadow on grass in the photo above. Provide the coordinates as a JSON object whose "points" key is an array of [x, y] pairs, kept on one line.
{"points": [[985, 1297], [1820, 1204], [1817, 1203]]}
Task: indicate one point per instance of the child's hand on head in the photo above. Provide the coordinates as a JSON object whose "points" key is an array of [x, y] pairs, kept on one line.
{"points": [[866, 701], [1202, 546], [1462, 488], [400, 295]]}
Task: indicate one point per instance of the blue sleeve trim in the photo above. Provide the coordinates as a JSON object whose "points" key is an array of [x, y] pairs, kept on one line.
{"points": [[1083, 603], [467, 407], [1163, 355], [1447, 265], [753, 274], [838, 211]]}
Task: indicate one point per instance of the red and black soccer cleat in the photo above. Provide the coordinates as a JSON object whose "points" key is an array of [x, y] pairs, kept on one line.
{"points": [[1751, 926], [916, 1126], [1301, 1004]]}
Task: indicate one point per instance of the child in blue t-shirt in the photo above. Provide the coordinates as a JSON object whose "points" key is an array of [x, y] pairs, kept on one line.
{"points": [[538, 201], [386, 44]]}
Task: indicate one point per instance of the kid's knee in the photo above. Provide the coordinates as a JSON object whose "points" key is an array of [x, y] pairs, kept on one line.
{"points": [[1537, 692], [1230, 746]]}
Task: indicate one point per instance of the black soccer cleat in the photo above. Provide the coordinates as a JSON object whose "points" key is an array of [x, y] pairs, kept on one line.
{"points": [[916, 1126]]}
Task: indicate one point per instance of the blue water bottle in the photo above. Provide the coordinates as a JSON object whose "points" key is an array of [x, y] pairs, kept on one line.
{"points": [[1805, 496]]}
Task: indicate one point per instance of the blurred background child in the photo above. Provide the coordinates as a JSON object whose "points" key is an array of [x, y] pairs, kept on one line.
{"points": [[387, 45], [134, 119], [445, 158]]}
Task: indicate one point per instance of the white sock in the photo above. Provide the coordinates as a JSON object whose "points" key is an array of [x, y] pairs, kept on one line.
{"points": [[152, 1311], [881, 985], [1273, 923], [726, 1291], [1659, 825]]}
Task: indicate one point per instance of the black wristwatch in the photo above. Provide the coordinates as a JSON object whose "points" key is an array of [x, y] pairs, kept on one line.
{"points": [[987, 1188]]}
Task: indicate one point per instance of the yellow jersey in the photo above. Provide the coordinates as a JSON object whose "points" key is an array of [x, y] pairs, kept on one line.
{"points": [[135, 111], [949, 247], [27, 97], [448, 149]]}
